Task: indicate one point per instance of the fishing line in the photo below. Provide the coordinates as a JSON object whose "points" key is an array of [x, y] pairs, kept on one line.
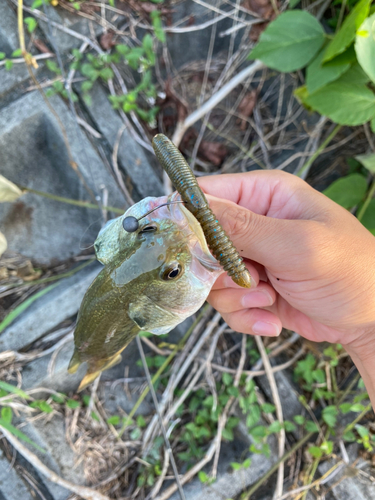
{"points": [[156, 404]]}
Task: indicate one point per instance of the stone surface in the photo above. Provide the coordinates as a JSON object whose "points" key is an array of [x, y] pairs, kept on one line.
{"points": [[287, 392], [11, 485], [133, 159], [48, 311], [33, 154], [8, 44], [59, 457]]}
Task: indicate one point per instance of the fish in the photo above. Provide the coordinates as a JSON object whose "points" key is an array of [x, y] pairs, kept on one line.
{"points": [[153, 278]]}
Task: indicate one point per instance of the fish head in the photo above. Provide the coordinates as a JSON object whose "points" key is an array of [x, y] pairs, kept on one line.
{"points": [[167, 257]]}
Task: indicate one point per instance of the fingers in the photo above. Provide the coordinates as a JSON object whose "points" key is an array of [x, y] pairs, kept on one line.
{"points": [[254, 322], [228, 300], [240, 309]]}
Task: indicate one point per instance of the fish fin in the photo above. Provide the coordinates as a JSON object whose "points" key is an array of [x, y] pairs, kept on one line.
{"points": [[148, 316], [115, 360], [88, 379], [74, 362], [93, 372]]}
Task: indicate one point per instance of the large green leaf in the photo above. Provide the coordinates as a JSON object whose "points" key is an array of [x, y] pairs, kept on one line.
{"points": [[290, 42], [20, 435], [318, 74], [344, 102], [365, 46], [346, 34], [368, 161], [368, 218], [347, 191]]}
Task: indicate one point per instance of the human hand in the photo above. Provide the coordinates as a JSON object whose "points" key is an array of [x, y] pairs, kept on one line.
{"points": [[314, 261]]}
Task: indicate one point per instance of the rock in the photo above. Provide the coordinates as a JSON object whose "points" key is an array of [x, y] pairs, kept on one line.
{"points": [[133, 159], [8, 44], [352, 485], [59, 457], [192, 46], [11, 485], [33, 154], [288, 393], [48, 311]]}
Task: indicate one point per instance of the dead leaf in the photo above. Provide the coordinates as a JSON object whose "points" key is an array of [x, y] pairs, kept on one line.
{"points": [[106, 40], [8, 190], [41, 46], [3, 244], [215, 152], [262, 9], [27, 272], [246, 107]]}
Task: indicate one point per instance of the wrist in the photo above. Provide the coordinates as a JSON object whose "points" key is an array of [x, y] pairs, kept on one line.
{"points": [[362, 352]]}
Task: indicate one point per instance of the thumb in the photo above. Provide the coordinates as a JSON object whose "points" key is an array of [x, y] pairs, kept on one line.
{"points": [[274, 243]]}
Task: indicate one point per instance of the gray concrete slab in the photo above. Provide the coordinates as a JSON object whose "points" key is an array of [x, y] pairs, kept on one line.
{"points": [[12, 486]]}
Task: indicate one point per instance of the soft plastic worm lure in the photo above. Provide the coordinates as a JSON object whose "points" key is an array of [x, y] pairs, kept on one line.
{"points": [[186, 184]]}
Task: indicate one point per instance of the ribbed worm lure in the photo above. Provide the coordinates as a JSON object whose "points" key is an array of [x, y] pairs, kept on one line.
{"points": [[186, 184]]}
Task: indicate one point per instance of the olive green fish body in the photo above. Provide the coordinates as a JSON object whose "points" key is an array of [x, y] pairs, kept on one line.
{"points": [[153, 279]]}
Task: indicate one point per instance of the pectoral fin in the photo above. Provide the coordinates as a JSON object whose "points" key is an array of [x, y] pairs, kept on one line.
{"points": [[150, 317]]}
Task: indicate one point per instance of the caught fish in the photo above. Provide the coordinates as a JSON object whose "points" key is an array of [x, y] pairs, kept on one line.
{"points": [[153, 278]]}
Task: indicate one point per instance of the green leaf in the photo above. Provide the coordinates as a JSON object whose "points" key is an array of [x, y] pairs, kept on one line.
{"points": [[86, 86], [7, 414], [122, 49], [20, 435], [346, 34], [42, 405], [17, 53], [372, 124], [268, 408], [368, 218], [236, 465], [253, 415], [311, 426], [95, 416], [365, 46], [14, 390], [318, 74], [31, 24], [329, 415], [22, 307], [72, 403], [362, 431], [203, 477], [290, 42], [148, 43], [106, 73], [289, 426], [259, 432], [114, 420], [368, 161], [349, 436], [2, 56], [319, 376], [293, 3], [141, 422], [315, 451], [347, 191], [227, 379], [357, 407], [58, 398], [275, 427], [327, 447], [136, 434], [157, 25], [227, 434], [345, 103], [299, 419], [345, 408], [8, 64]]}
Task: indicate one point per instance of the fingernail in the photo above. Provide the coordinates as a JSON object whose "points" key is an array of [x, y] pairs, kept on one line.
{"points": [[257, 298], [267, 329]]}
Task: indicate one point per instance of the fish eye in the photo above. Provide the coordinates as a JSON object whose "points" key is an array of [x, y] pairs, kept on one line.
{"points": [[148, 229], [172, 272]]}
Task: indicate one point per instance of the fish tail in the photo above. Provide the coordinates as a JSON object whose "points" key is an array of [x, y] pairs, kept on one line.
{"points": [[74, 362], [96, 369], [88, 379]]}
